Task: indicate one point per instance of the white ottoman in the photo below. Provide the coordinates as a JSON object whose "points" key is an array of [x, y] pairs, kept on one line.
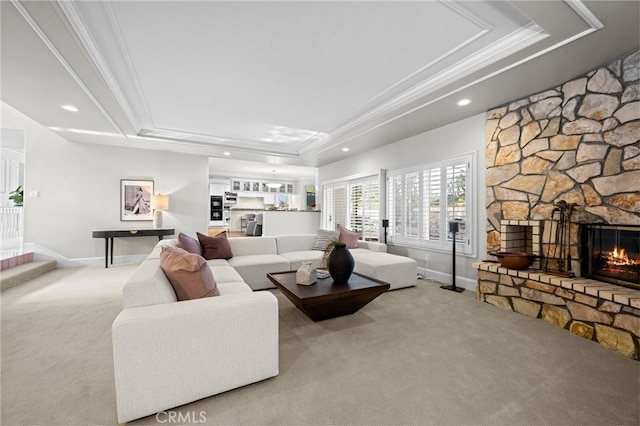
{"points": [[399, 271]]}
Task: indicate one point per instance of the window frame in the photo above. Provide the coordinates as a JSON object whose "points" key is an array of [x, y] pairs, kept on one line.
{"points": [[329, 216], [399, 215]]}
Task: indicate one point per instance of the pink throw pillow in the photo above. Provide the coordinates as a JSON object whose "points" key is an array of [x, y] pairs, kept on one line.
{"points": [[349, 237], [189, 244], [188, 273]]}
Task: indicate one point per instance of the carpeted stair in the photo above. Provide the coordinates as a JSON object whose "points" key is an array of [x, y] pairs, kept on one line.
{"points": [[24, 272]]}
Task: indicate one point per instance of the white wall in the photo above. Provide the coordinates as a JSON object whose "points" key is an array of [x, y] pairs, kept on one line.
{"points": [[458, 138], [79, 186]]}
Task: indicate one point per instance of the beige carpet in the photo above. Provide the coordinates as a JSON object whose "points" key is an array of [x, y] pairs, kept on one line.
{"points": [[413, 356]]}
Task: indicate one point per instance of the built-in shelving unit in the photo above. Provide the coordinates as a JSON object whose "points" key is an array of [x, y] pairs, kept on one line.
{"points": [[260, 186]]}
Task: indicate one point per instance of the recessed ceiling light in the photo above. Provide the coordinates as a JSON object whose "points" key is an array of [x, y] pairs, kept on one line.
{"points": [[70, 108], [463, 102], [227, 153], [345, 149]]}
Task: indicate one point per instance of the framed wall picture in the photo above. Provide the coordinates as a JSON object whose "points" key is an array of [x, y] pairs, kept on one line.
{"points": [[135, 200], [255, 186]]}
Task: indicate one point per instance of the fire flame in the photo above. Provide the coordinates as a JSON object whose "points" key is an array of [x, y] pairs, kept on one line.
{"points": [[619, 257]]}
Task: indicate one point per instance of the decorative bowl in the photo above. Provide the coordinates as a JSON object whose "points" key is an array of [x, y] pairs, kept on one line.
{"points": [[514, 260]]}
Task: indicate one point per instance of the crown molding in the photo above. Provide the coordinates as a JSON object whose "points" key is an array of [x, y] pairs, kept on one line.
{"points": [[524, 36], [218, 142], [587, 16], [139, 116], [36, 28]]}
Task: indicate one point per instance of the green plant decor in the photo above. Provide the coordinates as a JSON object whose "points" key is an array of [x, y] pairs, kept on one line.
{"points": [[17, 196]]}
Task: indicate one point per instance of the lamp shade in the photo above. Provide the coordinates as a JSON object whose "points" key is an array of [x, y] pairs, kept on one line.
{"points": [[159, 202]]}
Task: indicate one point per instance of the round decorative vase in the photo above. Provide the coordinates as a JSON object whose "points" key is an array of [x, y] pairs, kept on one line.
{"points": [[340, 264], [306, 274]]}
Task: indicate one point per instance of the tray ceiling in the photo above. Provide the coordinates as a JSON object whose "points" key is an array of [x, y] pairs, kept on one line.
{"points": [[286, 82]]}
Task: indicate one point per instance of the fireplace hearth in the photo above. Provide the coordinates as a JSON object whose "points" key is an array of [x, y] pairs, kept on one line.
{"points": [[611, 253]]}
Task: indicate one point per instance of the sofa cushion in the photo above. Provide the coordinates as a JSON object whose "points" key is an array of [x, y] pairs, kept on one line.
{"points": [[189, 244], [253, 268], [242, 246], [224, 274], [298, 242], [217, 262], [238, 287], [188, 273], [324, 237], [215, 247], [349, 237], [296, 258]]}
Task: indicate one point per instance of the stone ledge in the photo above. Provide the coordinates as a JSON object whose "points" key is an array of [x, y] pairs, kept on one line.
{"points": [[598, 311], [611, 292]]}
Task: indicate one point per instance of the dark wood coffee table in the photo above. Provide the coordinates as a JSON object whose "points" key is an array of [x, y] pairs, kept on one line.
{"points": [[325, 299]]}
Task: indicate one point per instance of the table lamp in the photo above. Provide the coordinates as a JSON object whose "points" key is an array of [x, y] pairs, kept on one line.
{"points": [[159, 202]]}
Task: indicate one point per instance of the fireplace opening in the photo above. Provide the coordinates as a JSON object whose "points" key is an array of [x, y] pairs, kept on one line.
{"points": [[611, 253]]}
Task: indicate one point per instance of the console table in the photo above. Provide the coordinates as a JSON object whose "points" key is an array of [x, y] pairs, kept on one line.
{"points": [[110, 234]]}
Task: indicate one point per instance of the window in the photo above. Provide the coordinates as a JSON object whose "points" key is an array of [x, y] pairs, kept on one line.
{"points": [[364, 207], [422, 200], [354, 204], [334, 206]]}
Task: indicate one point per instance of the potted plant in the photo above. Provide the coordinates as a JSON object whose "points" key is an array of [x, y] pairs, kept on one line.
{"points": [[17, 196], [327, 253]]}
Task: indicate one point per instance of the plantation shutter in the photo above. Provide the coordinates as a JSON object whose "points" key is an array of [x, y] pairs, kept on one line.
{"points": [[328, 207], [423, 199], [431, 204], [356, 208], [364, 214], [394, 204], [340, 210], [412, 206], [456, 197], [334, 209]]}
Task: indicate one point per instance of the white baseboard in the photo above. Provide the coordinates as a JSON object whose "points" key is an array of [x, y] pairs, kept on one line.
{"points": [[43, 253], [441, 277]]}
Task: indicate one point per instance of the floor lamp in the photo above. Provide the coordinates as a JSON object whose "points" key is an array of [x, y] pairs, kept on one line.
{"points": [[453, 227], [385, 225]]}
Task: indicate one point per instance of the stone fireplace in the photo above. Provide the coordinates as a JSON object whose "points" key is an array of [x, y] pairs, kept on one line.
{"points": [[578, 143]]}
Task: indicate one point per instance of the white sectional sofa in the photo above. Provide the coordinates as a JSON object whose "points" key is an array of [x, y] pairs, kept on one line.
{"points": [[254, 257], [168, 354]]}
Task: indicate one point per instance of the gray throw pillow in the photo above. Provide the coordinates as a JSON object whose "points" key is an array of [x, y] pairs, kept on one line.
{"points": [[324, 237]]}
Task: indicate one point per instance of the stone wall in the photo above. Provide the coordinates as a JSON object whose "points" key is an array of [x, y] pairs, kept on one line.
{"points": [[577, 142]]}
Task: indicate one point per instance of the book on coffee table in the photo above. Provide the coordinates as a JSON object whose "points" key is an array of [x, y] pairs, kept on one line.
{"points": [[323, 273]]}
